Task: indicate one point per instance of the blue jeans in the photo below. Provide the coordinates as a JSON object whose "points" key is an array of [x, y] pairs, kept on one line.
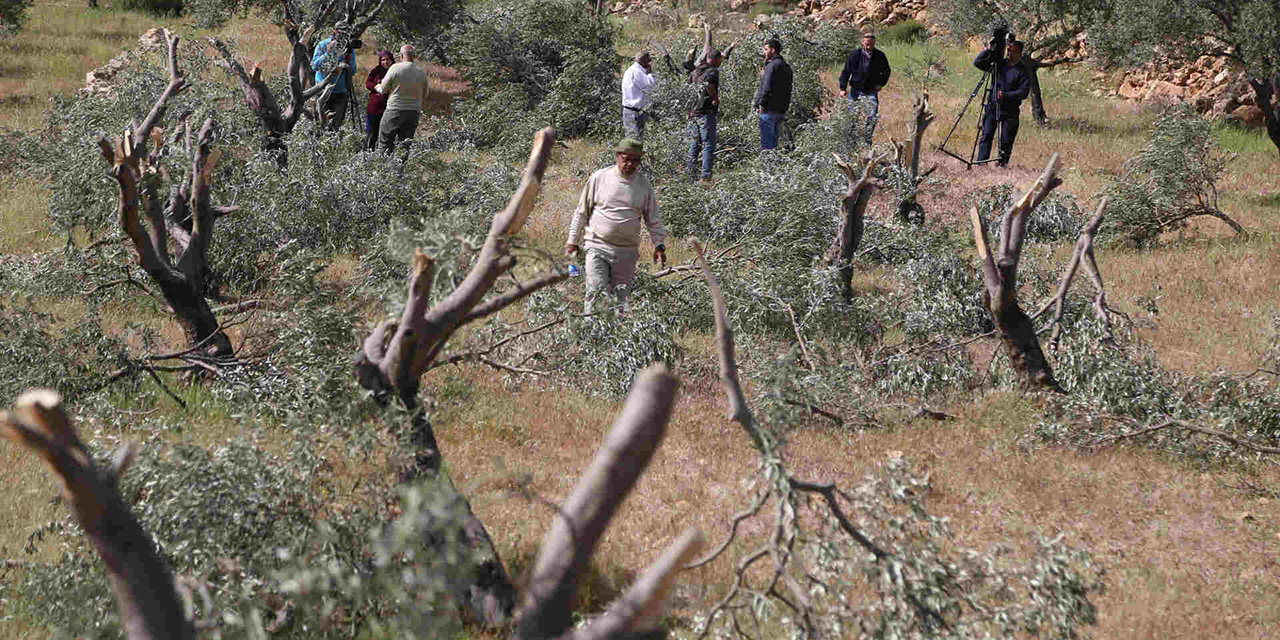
{"points": [[857, 96], [770, 128], [702, 131]]}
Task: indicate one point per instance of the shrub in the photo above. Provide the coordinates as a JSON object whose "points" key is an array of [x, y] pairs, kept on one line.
{"points": [[905, 32], [224, 516], [13, 13], [514, 56], [157, 7], [1172, 179]]}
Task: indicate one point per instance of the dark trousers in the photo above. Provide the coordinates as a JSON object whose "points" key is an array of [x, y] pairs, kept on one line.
{"points": [[336, 108], [1008, 123], [397, 125], [371, 127]]}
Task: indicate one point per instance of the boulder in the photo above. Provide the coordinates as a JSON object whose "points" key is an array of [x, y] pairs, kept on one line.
{"points": [[1164, 89], [152, 39], [1129, 90], [1248, 114]]}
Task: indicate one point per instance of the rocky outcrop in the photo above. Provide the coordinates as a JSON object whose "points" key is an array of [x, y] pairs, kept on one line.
{"points": [[102, 80], [1212, 85]]}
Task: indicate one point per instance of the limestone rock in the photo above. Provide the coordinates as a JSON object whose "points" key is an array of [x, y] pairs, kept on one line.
{"points": [[1248, 114]]}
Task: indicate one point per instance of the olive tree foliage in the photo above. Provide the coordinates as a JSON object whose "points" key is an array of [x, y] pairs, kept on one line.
{"points": [[1047, 27], [1246, 32], [870, 560], [13, 13], [532, 64], [422, 23], [1172, 179]]}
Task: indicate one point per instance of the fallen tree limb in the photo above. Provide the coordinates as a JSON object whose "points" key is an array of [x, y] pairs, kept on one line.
{"points": [[144, 588]]}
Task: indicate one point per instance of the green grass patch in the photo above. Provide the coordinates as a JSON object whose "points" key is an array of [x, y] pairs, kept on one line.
{"points": [[1241, 140]]}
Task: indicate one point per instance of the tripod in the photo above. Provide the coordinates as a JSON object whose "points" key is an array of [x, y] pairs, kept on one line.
{"points": [[987, 82]]}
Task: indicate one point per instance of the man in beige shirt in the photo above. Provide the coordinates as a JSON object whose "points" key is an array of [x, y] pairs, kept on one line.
{"points": [[616, 202], [405, 86]]}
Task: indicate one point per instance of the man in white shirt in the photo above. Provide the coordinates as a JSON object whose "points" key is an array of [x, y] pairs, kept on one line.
{"points": [[615, 203], [406, 86], [637, 82]]}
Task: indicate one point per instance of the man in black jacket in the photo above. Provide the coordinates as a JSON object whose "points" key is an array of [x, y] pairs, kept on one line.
{"points": [[865, 73], [1009, 87], [774, 95]]}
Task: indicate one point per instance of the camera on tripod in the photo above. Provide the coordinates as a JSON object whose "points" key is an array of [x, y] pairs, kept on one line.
{"points": [[999, 38]]}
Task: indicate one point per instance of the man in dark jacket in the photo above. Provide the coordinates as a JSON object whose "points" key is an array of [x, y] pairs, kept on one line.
{"points": [[774, 95], [1009, 87], [865, 73]]}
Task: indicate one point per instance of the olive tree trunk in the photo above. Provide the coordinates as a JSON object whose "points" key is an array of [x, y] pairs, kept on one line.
{"points": [[1264, 89], [187, 222], [394, 357], [1000, 277], [853, 209]]}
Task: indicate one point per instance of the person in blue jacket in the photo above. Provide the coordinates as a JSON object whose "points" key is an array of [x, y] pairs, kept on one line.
{"points": [[1010, 86], [329, 53]]}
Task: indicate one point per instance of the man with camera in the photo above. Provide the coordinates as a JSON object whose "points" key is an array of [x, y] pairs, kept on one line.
{"points": [[1010, 85], [332, 51]]}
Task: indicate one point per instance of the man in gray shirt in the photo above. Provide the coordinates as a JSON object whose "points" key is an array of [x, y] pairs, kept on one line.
{"points": [[616, 204], [406, 86]]}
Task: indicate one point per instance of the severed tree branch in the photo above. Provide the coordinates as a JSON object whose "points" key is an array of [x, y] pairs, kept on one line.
{"points": [[1222, 435], [423, 330], [545, 608], [1083, 256], [144, 588]]}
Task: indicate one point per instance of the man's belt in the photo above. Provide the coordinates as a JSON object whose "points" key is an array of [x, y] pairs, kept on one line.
{"points": [[636, 109]]}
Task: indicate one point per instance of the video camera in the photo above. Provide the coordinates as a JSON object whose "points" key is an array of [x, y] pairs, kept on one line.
{"points": [[999, 38]]}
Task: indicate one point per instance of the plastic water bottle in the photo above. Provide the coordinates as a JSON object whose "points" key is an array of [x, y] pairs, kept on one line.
{"points": [[574, 271]]}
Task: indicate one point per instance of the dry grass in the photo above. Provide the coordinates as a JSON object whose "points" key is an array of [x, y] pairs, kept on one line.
{"points": [[61, 41], [1191, 552]]}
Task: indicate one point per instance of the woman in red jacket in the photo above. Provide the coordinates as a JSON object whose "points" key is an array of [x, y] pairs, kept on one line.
{"points": [[377, 101]]}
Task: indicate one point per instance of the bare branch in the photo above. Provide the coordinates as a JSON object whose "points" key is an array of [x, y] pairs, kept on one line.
{"points": [[635, 436], [176, 85], [149, 606], [1240, 442], [508, 298], [738, 410]]}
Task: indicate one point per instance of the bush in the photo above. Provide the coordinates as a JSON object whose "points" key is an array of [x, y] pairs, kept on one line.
{"points": [[905, 32], [225, 516], [555, 59], [13, 13], [1172, 179], [157, 7]]}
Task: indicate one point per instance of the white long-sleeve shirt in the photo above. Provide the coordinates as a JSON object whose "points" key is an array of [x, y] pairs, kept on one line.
{"points": [[636, 84], [613, 208]]}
